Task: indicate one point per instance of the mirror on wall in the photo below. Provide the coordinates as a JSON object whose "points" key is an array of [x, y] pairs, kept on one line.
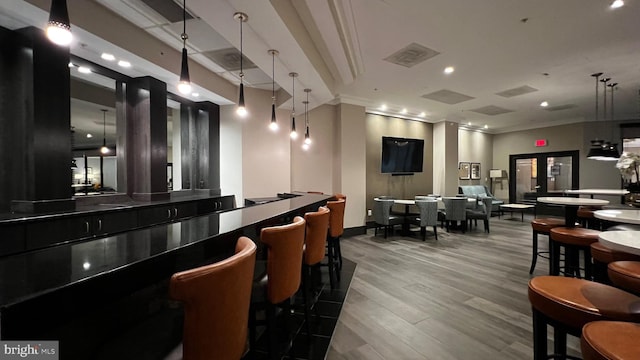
{"points": [[93, 135]]}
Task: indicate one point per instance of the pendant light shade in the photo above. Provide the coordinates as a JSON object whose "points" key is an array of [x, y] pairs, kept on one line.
{"points": [[104, 149], [184, 86], [597, 151], [307, 136], [294, 133], [58, 26], [241, 110], [273, 125], [612, 149]]}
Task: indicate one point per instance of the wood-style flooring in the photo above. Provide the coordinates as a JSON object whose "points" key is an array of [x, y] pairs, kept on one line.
{"points": [[463, 296]]}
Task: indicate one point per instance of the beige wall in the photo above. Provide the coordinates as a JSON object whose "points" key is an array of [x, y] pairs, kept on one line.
{"points": [[402, 187], [312, 169], [350, 178], [476, 147], [593, 174], [266, 157]]}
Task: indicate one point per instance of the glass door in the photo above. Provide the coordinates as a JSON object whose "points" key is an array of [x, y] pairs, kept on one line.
{"points": [[542, 174]]}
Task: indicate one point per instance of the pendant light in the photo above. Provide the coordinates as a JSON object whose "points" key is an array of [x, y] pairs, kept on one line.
{"points": [[104, 149], [184, 86], [596, 152], [307, 138], [612, 150], [58, 27], [241, 110], [274, 124], [293, 134]]}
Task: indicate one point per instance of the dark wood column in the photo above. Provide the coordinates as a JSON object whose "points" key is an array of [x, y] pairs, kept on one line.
{"points": [[35, 125], [146, 138], [200, 137]]}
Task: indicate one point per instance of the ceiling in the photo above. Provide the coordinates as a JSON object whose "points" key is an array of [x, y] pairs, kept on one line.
{"points": [[509, 56]]}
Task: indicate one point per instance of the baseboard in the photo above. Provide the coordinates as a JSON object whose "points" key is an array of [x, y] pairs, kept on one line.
{"points": [[358, 230]]}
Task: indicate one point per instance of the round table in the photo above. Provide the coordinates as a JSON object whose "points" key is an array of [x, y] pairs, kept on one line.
{"points": [[626, 241], [628, 216], [571, 205], [591, 192]]}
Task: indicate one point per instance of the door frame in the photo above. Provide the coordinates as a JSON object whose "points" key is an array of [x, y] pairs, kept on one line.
{"points": [[542, 169]]}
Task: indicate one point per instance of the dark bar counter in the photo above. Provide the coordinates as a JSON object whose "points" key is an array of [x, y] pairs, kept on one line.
{"points": [[102, 297]]}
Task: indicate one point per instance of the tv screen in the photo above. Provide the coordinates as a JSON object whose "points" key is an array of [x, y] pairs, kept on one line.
{"points": [[400, 155]]}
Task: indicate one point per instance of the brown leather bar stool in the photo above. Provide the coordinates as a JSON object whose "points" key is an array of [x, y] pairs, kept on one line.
{"points": [[336, 229], [567, 304], [625, 275], [586, 217], [284, 246], [607, 340], [603, 256], [216, 305], [315, 239], [573, 240], [542, 226]]}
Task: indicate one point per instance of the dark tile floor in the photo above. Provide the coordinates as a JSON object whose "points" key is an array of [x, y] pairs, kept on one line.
{"points": [[323, 322]]}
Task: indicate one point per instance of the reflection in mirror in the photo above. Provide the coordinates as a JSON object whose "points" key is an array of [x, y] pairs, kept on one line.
{"points": [[93, 122], [174, 147]]}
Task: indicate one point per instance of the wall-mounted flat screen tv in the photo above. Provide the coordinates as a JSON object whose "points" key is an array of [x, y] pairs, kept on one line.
{"points": [[400, 155]]}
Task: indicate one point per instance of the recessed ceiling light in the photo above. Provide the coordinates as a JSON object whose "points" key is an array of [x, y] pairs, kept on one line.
{"points": [[544, 104], [195, 94], [486, 126], [107, 56], [124, 63], [89, 136], [469, 123], [617, 3], [70, 64], [422, 114], [84, 70], [449, 69], [383, 107], [403, 111]]}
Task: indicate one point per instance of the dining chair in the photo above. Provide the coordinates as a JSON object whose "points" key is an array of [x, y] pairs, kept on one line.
{"points": [[455, 211], [428, 217], [383, 217], [481, 212]]}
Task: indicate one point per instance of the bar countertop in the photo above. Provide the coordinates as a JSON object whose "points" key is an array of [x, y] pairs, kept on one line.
{"points": [[33, 274]]}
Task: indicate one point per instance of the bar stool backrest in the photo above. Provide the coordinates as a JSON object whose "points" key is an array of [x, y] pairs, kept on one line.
{"points": [[336, 219], [216, 301], [315, 238], [284, 259]]}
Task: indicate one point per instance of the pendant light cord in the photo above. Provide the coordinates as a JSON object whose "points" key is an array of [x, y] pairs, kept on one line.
{"points": [[273, 74], [184, 23], [241, 73]]}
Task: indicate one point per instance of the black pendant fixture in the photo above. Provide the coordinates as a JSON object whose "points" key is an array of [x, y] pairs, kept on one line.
{"points": [[274, 123], [597, 151], [58, 27], [241, 110], [612, 150], [294, 133], [307, 136], [184, 86], [104, 149]]}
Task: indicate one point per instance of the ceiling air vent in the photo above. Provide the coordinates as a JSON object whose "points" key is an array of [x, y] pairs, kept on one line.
{"points": [[168, 9], [447, 97], [491, 110], [525, 89], [411, 55], [229, 59]]}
